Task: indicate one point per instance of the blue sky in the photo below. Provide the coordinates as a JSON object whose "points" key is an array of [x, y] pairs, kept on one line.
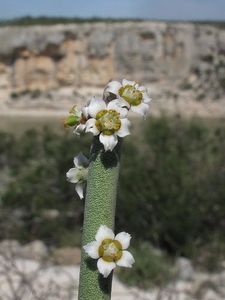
{"points": [[148, 9]]}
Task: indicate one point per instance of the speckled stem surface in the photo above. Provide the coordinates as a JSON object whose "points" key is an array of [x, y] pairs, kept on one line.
{"points": [[100, 205]]}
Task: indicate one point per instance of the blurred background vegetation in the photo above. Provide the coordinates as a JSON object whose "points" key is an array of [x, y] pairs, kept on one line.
{"points": [[171, 193]]}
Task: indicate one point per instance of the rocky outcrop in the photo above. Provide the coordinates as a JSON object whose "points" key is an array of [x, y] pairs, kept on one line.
{"points": [[43, 58], [58, 277]]}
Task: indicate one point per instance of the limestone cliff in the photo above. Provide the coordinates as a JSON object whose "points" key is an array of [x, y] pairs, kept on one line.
{"points": [[42, 58]]}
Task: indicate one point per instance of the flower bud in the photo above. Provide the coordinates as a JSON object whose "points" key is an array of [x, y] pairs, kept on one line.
{"points": [[71, 121]]}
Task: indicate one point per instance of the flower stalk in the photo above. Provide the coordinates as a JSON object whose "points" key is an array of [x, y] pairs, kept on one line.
{"points": [[100, 205]]}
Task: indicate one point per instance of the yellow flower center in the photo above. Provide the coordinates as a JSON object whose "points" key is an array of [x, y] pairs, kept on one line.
{"points": [[110, 250], [108, 121], [132, 95]]}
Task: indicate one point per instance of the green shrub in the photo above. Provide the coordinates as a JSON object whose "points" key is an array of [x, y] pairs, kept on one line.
{"points": [[171, 190], [38, 163], [151, 267], [172, 193]]}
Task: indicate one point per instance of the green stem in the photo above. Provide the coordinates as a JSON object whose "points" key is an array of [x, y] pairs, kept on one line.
{"points": [[100, 205]]}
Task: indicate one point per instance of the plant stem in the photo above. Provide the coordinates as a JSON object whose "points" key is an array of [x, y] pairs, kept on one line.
{"points": [[100, 205]]}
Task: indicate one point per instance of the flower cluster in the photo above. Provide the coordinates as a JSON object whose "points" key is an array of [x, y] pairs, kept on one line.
{"points": [[106, 118]]}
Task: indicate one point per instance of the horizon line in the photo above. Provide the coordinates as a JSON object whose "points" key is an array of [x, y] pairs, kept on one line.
{"points": [[108, 19]]}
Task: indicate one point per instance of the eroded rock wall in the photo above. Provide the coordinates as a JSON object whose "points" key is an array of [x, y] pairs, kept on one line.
{"points": [[41, 58]]}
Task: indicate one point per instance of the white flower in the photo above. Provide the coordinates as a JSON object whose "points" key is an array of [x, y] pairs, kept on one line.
{"points": [[135, 97], [78, 175], [108, 121], [110, 250], [80, 128]]}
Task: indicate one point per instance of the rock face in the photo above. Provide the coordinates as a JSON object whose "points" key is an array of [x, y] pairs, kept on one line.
{"points": [[35, 250], [40, 58], [55, 275], [185, 270], [66, 256]]}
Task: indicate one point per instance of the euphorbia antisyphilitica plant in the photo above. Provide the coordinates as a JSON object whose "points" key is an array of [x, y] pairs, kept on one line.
{"points": [[96, 180]]}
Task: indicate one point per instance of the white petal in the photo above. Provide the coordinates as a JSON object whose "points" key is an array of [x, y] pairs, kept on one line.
{"points": [[79, 129], [128, 82], [124, 239], [124, 129], [118, 106], [95, 106], [73, 175], [109, 141], [104, 267], [124, 103], [126, 260], [140, 109], [146, 98], [142, 88], [104, 232], [79, 187], [92, 249], [81, 161], [91, 127], [85, 111], [113, 87]]}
